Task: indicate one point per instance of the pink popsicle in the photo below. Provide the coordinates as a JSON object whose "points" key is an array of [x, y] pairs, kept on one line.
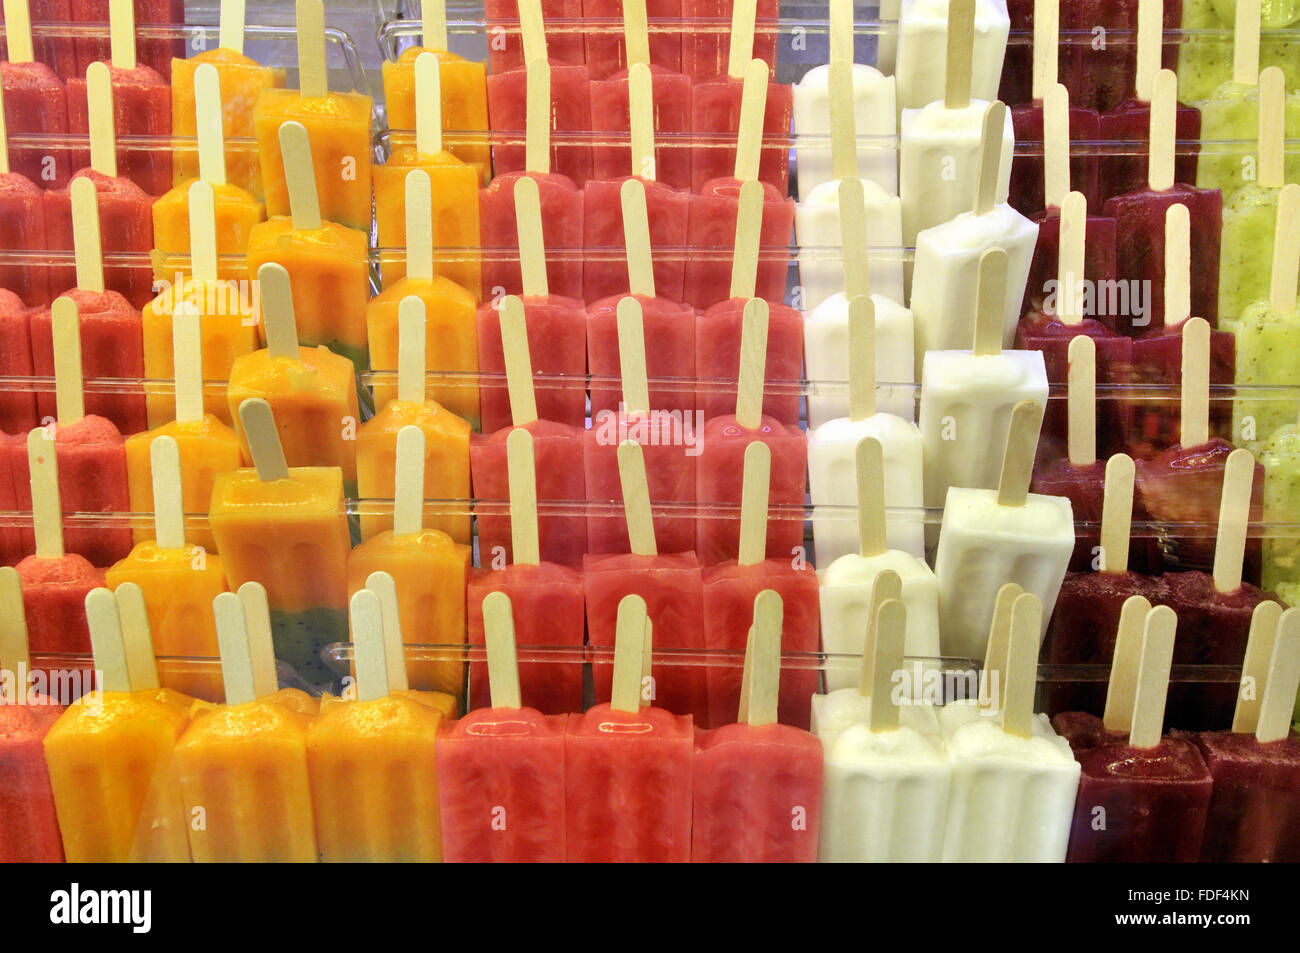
{"points": [[22, 228]]}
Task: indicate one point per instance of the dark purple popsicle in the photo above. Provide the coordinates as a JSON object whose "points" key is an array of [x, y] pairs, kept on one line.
{"points": [[1084, 731], [1101, 75], [1027, 171], [1255, 809], [1098, 256], [1017, 87], [1158, 360], [1130, 122]]}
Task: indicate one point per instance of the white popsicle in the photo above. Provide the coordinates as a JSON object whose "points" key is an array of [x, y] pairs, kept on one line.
{"points": [[923, 49]]}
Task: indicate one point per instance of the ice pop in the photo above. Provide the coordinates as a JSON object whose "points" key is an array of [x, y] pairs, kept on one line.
{"points": [[927, 31], [1280, 456], [706, 51], [511, 24], [18, 405], [22, 226], [35, 103]]}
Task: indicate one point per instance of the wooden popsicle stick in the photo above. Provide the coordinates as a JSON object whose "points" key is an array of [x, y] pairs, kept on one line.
{"points": [[841, 32], [121, 33], [168, 511], [433, 13], [991, 292], [629, 655], [1272, 125], [854, 239], [1022, 666], [385, 587], [537, 118], [88, 250], [277, 311], [502, 653], [741, 46], [1286, 251], [891, 630], [1047, 38], [1082, 401], [869, 463], [203, 232], [261, 646], [1148, 721], [522, 473], [754, 495], [1164, 119], [640, 109], [636, 34], [532, 32], [408, 488], [419, 225], [100, 122], [4, 136], [233, 646], [263, 440], [763, 653], [1150, 28], [1254, 666], [1071, 259], [1282, 681], [1120, 690], [1018, 458], [753, 364], [636, 238], [844, 134], [299, 175], [862, 358], [887, 585], [1245, 42], [47, 511], [518, 361], [749, 133], [312, 76], [208, 122], [749, 223], [990, 161], [631, 356], [1117, 514], [961, 43], [231, 33], [1056, 145], [14, 651], [1178, 266], [69, 397], [369, 651], [411, 350], [106, 641], [428, 105], [1195, 402], [532, 245], [133, 616], [636, 499], [993, 673], [1234, 520], [18, 31], [187, 359]]}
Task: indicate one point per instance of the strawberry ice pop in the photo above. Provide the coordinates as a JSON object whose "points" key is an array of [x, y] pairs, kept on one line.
{"points": [[509, 23], [706, 51], [611, 107], [925, 31], [17, 406], [35, 103], [22, 226]]}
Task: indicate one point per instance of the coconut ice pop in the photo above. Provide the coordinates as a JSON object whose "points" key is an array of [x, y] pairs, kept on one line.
{"points": [[926, 29]]}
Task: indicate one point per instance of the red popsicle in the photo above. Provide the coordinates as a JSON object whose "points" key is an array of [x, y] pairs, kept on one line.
{"points": [[611, 114], [22, 228], [707, 42], [718, 110], [154, 53], [628, 769], [501, 769], [567, 90], [11, 537], [1112, 634], [506, 46], [35, 104], [758, 784], [17, 405], [608, 51], [1101, 75]]}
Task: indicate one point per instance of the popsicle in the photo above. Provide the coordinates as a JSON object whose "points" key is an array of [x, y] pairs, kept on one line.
{"points": [[241, 80], [872, 107], [110, 755], [511, 24], [243, 766], [1013, 778], [374, 780], [156, 53], [1252, 813], [666, 323], [1280, 457], [272, 517], [967, 396], [18, 405], [926, 30], [29, 827], [429, 565], [832, 443], [713, 219], [236, 210], [501, 768], [627, 768], [462, 90], [720, 467], [670, 584], [850, 582], [1101, 75], [819, 224], [338, 125], [886, 774], [454, 187], [707, 51], [940, 138], [35, 103], [548, 597], [990, 537], [11, 538], [1153, 792], [22, 225], [607, 52], [666, 438], [949, 253], [666, 211], [450, 334], [312, 390]]}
